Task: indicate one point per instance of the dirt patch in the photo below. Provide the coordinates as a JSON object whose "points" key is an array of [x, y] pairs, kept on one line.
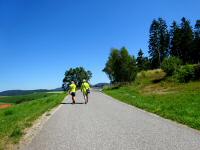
{"points": [[5, 106], [157, 89]]}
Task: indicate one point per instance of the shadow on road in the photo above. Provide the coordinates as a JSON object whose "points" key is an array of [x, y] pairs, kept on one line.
{"points": [[71, 103]]}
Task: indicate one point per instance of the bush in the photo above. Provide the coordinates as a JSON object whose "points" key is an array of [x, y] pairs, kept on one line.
{"points": [[170, 65], [197, 72], [185, 73], [188, 73], [8, 112]]}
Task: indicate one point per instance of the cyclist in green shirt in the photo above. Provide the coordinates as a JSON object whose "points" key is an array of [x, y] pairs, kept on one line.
{"points": [[85, 88], [72, 91]]}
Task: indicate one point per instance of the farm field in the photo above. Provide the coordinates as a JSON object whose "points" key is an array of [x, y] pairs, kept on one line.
{"points": [[22, 112]]}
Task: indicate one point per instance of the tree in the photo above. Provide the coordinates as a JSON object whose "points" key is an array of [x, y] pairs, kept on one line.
{"points": [[175, 40], [196, 51], [127, 66], [186, 41], [142, 62], [158, 42], [111, 67], [77, 75], [120, 67]]}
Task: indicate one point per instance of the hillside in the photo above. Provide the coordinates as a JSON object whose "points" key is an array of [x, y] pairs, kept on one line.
{"points": [[155, 93], [100, 85]]}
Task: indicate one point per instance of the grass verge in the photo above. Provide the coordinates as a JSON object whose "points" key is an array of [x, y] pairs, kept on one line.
{"points": [[15, 119], [178, 102]]}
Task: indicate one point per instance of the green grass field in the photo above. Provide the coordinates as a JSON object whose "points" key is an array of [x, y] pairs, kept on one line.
{"points": [[25, 110], [23, 98], [178, 102]]}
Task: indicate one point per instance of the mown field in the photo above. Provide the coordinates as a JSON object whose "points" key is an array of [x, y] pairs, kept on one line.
{"points": [[153, 93], [25, 109]]}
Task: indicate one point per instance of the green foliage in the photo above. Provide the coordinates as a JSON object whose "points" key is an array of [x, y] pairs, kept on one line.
{"points": [[182, 41], [186, 41], [180, 103], [188, 73], [185, 73], [142, 62], [121, 66], [77, 75], [196, 43], [175, 40], [16, 134], [197, 72], [8, 112], [158, 42], [15, 119], [171, 65]]}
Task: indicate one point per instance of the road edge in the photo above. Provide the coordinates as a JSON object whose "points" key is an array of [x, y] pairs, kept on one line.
{"points": [[37, 126], [152, 114]]}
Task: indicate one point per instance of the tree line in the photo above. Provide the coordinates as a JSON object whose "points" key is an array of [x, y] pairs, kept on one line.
{"points": [[181, 41]]}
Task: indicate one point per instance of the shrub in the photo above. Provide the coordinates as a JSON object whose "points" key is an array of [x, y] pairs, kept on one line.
{"points": [[185, 73], [197, 72], [8, 112], [170, 65], [17, 132]]}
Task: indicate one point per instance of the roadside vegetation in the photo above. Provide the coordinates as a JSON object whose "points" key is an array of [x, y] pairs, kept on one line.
{"points": [[24, 110], [153, 92], [167, 81]]}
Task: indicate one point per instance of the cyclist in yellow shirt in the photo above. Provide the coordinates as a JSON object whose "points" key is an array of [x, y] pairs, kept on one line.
{"points": [[85, 88], [72, 91]]}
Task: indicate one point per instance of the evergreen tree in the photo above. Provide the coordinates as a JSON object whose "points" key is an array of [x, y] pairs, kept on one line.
{"points": [[142, 62], [196, 52], [158, 42], [186, 41], [175, 40], [139, 60]]}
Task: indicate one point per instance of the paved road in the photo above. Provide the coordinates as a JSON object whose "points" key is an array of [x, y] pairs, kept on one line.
{"points": [[106, 124]]}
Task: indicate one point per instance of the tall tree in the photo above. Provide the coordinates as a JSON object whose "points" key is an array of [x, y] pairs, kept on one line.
{"points": [[186, 41], [111, 67], [77, 75], [121, 66], [158, 42], [142, 62], [196, 52], [175, 40]]}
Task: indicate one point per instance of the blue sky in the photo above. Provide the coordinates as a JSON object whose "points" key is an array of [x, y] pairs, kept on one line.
{"points": [[41, 39]]}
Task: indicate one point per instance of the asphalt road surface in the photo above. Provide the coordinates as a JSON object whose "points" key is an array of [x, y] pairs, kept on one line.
{"points": [[107, 124]]}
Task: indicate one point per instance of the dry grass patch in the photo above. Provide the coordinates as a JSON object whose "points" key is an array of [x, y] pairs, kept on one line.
{"points": [[156, 89]]}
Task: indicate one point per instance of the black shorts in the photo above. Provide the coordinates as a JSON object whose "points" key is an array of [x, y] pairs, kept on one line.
{"points": [[73, 94], [87, 91]]}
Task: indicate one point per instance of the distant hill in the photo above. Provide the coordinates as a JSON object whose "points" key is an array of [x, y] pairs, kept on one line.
{"points": [[100, 85], [24, 92]]}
